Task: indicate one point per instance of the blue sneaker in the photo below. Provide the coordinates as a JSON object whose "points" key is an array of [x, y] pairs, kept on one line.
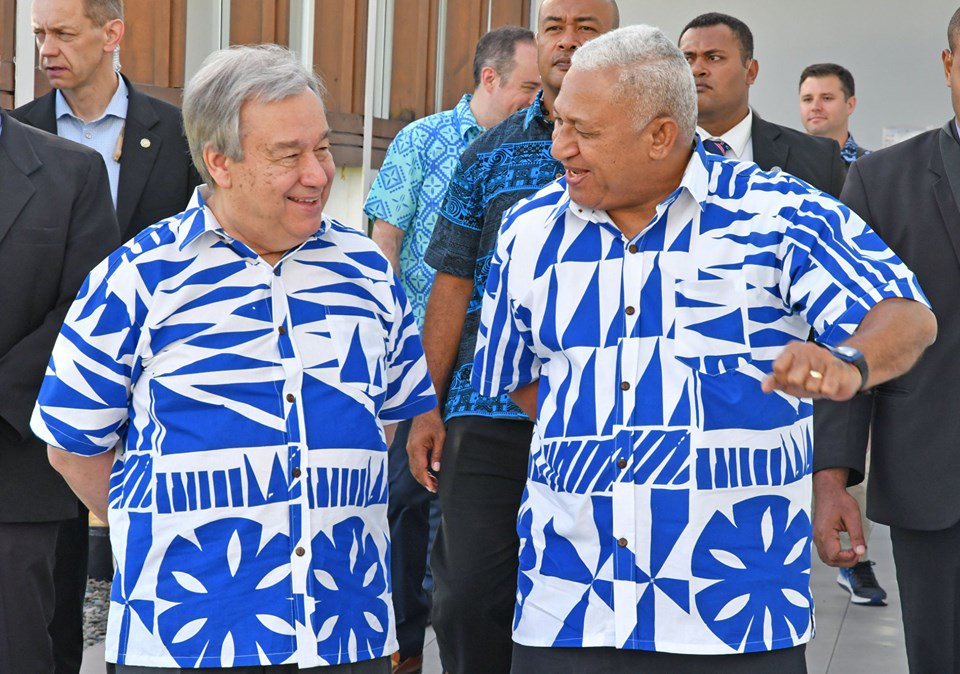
{"points": [[862, 585]]}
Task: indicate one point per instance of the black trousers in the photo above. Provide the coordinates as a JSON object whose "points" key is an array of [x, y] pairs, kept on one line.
{"points": [[475, 556], [70, 583], [408, 511], [928, 572], [531, 660], [27, 596]]}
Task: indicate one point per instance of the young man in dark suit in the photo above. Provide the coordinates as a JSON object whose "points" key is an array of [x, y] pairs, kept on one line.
{"points": [[910, 194], [139, 137], [151, 177], [719, 49], [56, 224]]}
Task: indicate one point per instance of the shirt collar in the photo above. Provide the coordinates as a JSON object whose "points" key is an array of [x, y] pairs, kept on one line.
{"points": [[695, 183], [117, 107], [197, 219], [536, 111], [466, 123], [737, 137]]}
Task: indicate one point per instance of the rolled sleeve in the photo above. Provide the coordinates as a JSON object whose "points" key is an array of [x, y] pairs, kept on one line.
{"points": [[837, 269]]}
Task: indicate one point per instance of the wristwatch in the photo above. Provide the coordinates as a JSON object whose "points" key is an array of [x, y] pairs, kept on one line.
{"points": [[848, 354]]}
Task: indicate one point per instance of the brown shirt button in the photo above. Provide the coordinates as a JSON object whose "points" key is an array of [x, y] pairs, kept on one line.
{"points": [[559, 175], [296, 472], [622, 542], [633, 248], [282, 330], [300, 552], [291, 397], [621, 463], [630, 311], [625, 386]]}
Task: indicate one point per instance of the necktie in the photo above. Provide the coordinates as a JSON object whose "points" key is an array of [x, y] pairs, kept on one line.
{"points": [[715, 146]]}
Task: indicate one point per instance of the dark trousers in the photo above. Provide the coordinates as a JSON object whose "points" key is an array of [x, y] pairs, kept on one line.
{"points": [[482, 478], [378, 666], [928, 572], [70, 583], [531, 660], [408, 512], [27, 596]]}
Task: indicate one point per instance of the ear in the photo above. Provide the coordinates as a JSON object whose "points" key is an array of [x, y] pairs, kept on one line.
{"points": [[112, 33], [489, 78], [218, 164], [851, 105], [947, 58], [752, 71], [663, 133]]}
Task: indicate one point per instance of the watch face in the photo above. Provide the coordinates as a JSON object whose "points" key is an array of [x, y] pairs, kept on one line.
{"points": [[847, 351]]}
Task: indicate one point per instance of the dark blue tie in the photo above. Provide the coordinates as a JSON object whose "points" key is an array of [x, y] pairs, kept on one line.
{"points": [[715, 146]]}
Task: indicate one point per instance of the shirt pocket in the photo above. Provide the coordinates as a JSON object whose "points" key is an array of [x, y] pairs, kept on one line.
{"points": [[360, 344], [711, 334]]}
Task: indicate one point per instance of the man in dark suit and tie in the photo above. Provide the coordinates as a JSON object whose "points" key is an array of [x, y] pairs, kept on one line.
{"points": [[910, 194], [140, 137], [719, 49], [150, 176], [56, 224]]}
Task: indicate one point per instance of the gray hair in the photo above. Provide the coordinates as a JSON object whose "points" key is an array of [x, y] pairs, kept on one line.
{"points": [[653, 74], [229, 78]]}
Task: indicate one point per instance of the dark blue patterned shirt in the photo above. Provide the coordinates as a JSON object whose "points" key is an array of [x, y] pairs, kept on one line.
{"points": [[508, 163], [850, 151]]}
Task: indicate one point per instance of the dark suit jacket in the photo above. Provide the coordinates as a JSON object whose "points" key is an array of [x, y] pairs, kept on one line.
{"points": [[813, 160], [56, 223], [909, 193], [155, 181]]}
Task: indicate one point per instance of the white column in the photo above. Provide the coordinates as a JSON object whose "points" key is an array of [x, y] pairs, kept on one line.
{"points": [[368, 93], [24, 55], [302, 22], [208, 29]]}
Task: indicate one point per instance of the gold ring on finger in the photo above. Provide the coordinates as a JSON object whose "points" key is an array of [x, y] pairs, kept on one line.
{"points": [[816, 374]]}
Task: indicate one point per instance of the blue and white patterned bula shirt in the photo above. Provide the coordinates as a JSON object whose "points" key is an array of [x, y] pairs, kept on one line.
{"points": [[667, 504], [411, 185], [248, 499]]}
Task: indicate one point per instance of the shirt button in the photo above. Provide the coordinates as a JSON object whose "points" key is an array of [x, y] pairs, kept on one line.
{"points": [[632, 248], [300, 552], [282, 330], [559, 175], [296, 472], [88, 135], [621, 463], [622, 543], [630, 311], [624, 386], [291, 397]]}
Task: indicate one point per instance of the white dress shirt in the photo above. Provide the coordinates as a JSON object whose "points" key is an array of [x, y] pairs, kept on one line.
{"points": [[739, 138]]}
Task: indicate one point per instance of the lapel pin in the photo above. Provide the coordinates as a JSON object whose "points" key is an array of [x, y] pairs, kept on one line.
{"points": [[144, 143]]}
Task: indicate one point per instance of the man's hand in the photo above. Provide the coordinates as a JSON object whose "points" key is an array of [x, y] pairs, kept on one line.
{"points": [[425, 447], [836, 511], [807, 370]]}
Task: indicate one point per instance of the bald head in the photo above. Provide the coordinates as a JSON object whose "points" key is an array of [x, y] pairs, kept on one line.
{"points": [[606, 11]]}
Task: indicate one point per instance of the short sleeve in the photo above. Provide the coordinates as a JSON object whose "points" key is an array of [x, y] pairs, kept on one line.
{"points": [[455, 243], [505, 359], [836, 268], [394, 196], [409, 387], [84, 401]]}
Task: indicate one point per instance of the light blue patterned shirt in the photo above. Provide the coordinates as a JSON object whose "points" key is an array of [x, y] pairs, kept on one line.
{"points": [[667, 505], [248, 498], [100, 134], [410, 187]]}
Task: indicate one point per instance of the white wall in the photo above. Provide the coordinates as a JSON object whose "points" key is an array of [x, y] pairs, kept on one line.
{"points": [[892, 47], [347, 197]]}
